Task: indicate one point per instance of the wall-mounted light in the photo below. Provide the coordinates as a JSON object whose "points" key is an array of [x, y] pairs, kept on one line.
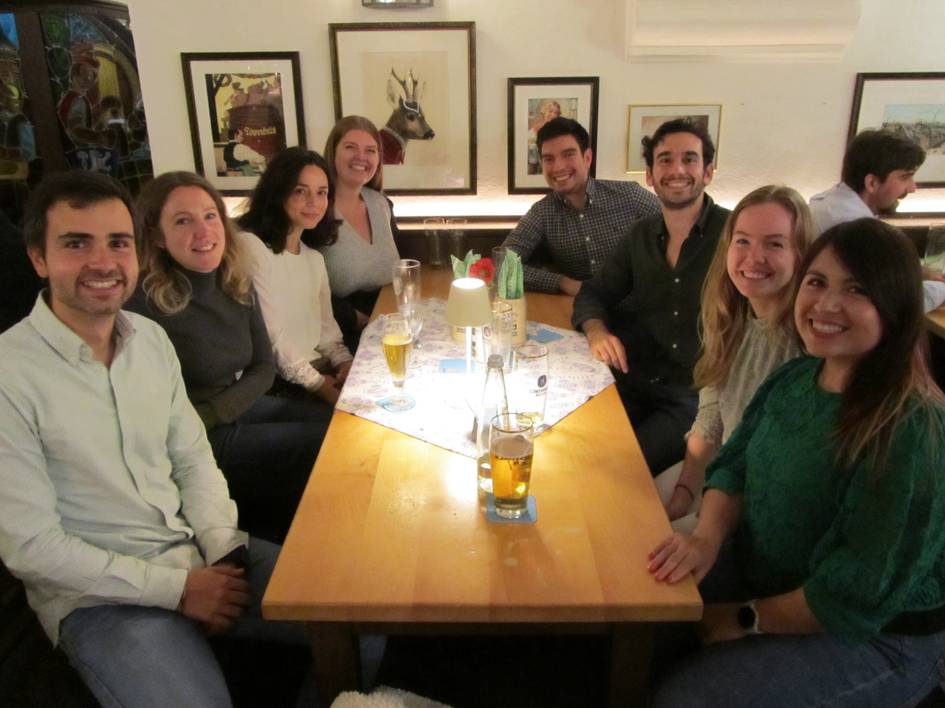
{"points": [[396, 3]]}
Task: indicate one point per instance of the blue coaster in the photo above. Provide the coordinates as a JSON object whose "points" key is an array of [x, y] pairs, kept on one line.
{"points": [[389, 404], [453, 366], [529, 517], [543, 336]]}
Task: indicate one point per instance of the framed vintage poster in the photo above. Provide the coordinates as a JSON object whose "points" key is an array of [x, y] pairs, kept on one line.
{"points": [[912, 104], [644, 120], [534, 101], [244, 109], [417, 82]]}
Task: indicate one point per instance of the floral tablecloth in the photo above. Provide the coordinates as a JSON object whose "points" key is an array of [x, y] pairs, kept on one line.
{"points": [[446, 399]]}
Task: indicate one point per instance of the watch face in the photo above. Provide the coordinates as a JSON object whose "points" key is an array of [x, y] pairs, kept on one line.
{"points": [[746, 617]]}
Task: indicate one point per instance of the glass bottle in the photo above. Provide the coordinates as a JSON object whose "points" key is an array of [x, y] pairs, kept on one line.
{"points": [[494, 401]]}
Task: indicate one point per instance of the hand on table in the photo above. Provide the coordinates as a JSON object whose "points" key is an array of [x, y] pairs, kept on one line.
{"points": [[569, 286], [329, 390], [607, 348], [216, 596], [933, 274], [681, 554]]}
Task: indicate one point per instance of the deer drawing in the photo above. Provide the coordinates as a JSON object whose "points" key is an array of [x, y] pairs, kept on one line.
{"points": [[407, 121]]}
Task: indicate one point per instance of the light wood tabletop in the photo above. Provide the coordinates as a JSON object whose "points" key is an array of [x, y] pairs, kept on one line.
{"points": [[390, 530]]}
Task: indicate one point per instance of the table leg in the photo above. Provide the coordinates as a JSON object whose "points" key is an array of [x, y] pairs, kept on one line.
{"points": [[336, 655], [630, 653]]}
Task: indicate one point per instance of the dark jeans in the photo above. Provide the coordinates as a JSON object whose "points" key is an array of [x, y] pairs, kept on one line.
{"points": [[661, 416], [789, 670], [266, 456]]}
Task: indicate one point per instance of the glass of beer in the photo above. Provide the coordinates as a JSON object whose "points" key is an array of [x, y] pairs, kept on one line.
{"points": [[510, 450], [397, 342]]}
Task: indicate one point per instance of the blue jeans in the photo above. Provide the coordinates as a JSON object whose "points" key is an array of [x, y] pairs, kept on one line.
{"points": [[146, 656], [266, 456], [788, 670]]}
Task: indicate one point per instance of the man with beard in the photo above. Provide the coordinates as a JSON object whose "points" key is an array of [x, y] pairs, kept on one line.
{"points": [[640, 311], [112, 510], [879, 169]]}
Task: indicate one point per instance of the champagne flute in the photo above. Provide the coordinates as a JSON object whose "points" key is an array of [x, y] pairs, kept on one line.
{"points": [[415, 322], [406, 281], [397, 341]]}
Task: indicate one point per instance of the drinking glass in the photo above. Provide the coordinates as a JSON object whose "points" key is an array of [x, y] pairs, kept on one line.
{"points": [[433, 231], [457, 237], [530, 382], [510, 451], [406, 281], [498, 255], [415, 322], [397, 342], [935, 248]]}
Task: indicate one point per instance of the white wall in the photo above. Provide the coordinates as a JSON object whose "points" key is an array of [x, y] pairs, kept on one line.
{"points": [[781, 122]]}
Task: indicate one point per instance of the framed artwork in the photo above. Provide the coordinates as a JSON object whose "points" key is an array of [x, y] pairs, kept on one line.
{"points": [[534, 101], [417, 82], [912, 104], [244, 109], [644, 120]]}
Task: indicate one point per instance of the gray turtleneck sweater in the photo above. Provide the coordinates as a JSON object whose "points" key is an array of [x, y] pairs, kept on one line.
{"points": [[224, 351]]}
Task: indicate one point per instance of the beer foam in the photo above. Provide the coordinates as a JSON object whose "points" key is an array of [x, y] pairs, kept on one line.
{"points": [[513, 447]]}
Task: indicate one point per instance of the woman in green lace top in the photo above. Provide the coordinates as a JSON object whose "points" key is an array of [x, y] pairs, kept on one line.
{"points": [[833, 490]]}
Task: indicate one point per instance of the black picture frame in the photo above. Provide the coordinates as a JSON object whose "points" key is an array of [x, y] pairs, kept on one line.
{"points": [[576, 97]]}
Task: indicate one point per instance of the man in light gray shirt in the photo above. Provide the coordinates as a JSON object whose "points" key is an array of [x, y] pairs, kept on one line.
{"points": [[112, 510], [879, 169]]}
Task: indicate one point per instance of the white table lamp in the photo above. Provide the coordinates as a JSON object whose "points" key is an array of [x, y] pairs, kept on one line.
{"points": [[468, 306]]}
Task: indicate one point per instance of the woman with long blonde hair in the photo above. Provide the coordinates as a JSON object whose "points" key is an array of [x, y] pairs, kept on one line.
{"points": [[195, 282], [746, 329]]}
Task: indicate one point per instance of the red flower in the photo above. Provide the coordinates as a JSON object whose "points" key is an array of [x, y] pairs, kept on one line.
{"points": [[483, 269]]}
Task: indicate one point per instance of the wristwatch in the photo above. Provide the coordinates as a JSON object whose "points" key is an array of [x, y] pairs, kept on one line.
{"points": [[748, 618]]}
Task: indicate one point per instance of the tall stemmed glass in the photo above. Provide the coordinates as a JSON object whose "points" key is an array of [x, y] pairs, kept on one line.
{"points": [[407, 287], [397, 341]]}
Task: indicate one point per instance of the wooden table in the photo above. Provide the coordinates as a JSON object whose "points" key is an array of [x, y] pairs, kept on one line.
{"points": [[389, 538], [935, 321]]}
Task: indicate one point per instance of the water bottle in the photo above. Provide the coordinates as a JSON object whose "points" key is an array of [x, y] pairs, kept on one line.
{"points": [[495, 401]]}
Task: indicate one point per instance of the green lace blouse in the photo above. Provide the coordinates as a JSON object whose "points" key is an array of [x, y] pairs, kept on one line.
{"points": [[864, 547]]}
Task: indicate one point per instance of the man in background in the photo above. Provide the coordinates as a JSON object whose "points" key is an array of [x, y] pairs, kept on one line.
{"points": [[879, 169]]}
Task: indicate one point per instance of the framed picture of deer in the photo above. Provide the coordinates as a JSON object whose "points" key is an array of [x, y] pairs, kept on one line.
{"points": [[416, 82], [533, 101], [244, 109]]}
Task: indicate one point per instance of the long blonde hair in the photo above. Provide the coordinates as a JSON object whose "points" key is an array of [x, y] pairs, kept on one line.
{"points": [[163, 282], [725, 311]]}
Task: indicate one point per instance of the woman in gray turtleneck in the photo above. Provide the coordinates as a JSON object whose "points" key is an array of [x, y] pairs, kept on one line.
{"points": [[195, 283]]}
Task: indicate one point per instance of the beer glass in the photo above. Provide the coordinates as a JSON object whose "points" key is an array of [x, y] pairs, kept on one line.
{"points": [[530, 382], [397, 342], [510, 451], [406, 281]]}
